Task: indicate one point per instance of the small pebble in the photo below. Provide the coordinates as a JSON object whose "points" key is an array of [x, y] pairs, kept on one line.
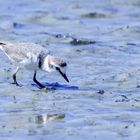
{"points": [[101, 92]]}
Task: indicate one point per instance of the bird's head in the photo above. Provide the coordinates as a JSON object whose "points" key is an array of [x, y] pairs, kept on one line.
{"points": [[52, 63]]}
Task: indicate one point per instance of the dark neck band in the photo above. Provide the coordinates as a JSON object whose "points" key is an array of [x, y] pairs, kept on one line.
{"points": [[40, 63]]}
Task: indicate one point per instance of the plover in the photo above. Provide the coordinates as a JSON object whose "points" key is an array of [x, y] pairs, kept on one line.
{"points": [[33, 57]]}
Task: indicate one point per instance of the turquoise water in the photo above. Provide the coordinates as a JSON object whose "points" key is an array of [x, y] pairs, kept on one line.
{"points": [[100, 41]]}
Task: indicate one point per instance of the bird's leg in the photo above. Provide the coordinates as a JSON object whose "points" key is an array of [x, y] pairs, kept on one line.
{"points": [[14, 77], [36, 81]]}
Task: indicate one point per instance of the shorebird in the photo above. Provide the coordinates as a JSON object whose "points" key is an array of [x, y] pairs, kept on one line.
{"points": [[33, 57]]}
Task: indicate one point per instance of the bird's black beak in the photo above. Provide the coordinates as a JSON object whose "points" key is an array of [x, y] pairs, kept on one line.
{"points": [[63, 74]]}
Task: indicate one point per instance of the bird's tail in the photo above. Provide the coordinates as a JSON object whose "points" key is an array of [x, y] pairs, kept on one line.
{"points": [[1, 45]]}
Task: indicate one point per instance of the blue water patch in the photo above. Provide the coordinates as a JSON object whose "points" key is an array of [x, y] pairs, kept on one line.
{"points": [[58, 86]]}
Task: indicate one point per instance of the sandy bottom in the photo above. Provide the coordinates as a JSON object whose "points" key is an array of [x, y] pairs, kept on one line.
{"points": [[100, 41]]}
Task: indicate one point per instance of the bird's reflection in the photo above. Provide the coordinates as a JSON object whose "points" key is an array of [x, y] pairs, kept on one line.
{"points": [[44, 118]]}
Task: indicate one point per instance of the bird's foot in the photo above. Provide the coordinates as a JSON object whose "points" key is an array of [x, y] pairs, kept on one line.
{"points": [[48, 89], [15, 83]]}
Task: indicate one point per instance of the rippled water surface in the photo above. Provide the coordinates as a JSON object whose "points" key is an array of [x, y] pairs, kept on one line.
{"points": [[100, 40]]}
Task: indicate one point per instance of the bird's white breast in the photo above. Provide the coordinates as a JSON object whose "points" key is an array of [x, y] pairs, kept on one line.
{"points": [[46, 65]]}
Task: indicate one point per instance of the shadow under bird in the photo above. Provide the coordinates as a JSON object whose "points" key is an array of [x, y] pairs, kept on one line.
{"points": [[33, 57]]}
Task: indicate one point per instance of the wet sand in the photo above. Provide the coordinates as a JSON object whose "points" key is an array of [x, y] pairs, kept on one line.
{"points": [[100, 41]]}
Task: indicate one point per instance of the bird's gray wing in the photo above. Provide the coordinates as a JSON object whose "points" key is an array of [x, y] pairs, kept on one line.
{"points": [[17, 52]]}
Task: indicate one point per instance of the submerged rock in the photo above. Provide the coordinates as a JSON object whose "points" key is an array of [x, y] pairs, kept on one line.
{"points": [[18, 25], [101, 92], [76, 41], [44, 118], [94, 15]]}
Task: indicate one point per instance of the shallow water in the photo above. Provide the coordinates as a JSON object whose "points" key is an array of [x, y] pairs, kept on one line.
{"points": [[100, 41]]}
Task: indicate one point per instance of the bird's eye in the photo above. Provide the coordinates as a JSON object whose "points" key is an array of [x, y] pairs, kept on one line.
{"points": [[63, 64]]}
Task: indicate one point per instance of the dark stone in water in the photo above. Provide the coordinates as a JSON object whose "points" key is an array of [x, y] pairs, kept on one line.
{"points": [[136, 100], [76, 42], [101, 92], [126, 126], [124, 96], [122, 100], [131, 44], [94, 15], [17, 25], [59, 36], [63, 36]]}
